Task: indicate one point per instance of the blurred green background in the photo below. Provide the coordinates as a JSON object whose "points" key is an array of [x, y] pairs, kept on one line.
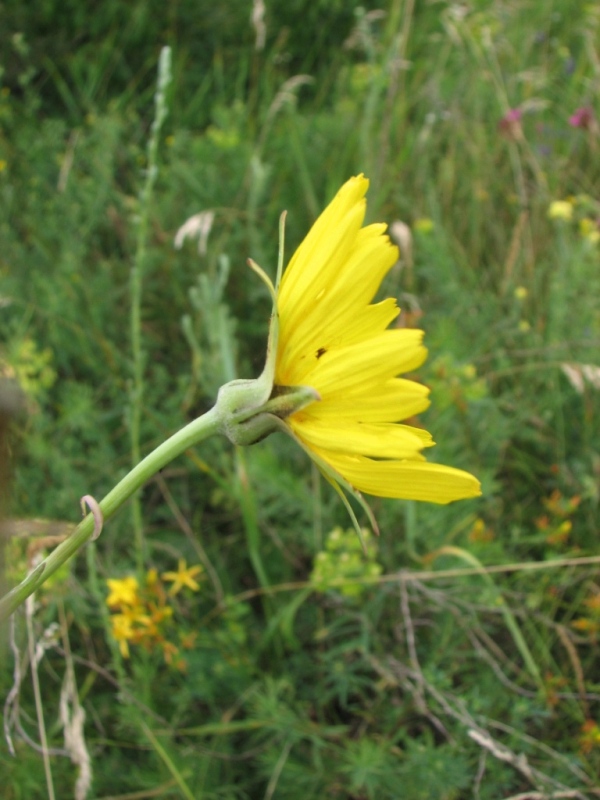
{"points": [[226, 664]]}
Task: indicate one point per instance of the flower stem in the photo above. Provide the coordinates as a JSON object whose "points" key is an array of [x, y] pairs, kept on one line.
{"points": [[201, 428]]}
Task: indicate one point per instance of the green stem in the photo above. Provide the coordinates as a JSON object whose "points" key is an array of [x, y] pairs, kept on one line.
{"points": [[248, 507], [201, 428]]}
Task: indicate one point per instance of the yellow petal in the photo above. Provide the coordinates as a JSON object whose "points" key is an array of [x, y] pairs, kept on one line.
{"points": [[310, 343], [412, 480], [391, 401], [374, 360], [317, 260], [385, 440], [349, 289], [372, 258]]}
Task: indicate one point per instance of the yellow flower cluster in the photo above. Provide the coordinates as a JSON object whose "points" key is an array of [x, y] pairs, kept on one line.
{"points": [[588, 229], [556, 523], [582, 209], [142, 614]]}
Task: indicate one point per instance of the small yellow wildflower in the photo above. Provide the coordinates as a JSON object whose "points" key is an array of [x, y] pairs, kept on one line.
{"points": [[158, 615], [521, 292], [123, 591], [188, 640], [561, 209], [3, 165], [335, 341], [561, 534], [593, 603], [170, 650], [589, 230], [122, 630], [152, 577], [480, 533], [183, 577], [590, 736], [423, 225], [585, 625]]}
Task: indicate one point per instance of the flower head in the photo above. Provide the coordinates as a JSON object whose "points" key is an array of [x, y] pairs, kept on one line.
{"points": [[582, 118], [123, 632], [423, 225], [333, 339], [510, 124], [560, 209], [123, 591], [588, 228], [183, 576], [521, 292]]}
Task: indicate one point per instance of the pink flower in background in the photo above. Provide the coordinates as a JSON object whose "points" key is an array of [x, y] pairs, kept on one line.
{"points": [[582, 118], [510, 124], [514, 115]]}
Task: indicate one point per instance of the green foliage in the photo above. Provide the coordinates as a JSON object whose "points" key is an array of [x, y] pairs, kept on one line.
{"points": [[344, 560], [302, 668]]}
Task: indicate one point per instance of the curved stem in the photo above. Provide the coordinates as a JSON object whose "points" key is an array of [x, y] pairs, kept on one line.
{"points": [[196, 431]]}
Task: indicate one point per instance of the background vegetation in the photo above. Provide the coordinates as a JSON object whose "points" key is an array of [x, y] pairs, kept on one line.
{"points": [[226, 663]]}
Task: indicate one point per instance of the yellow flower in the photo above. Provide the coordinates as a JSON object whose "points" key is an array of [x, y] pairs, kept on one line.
{"points": [[152, 577], [334, 340], [183, 577], [123, 591], [122, 630], [521, 292], [588, 228], [423, 225], [561, 209]]}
